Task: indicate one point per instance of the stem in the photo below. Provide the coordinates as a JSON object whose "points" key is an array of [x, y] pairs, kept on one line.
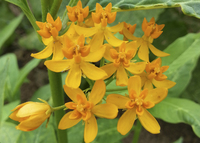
{"points": [[114, 89], [137, 130], [102, 62], [54, 8], [90, 82], [58, 99], [109, 80], [45, 9], [58, 108]]}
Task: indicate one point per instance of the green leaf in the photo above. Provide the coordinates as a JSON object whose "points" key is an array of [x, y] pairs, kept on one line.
{"points": [[189, 7], [43, 92], [8, 133], [180, 140], [176, 110], [182, 60]]}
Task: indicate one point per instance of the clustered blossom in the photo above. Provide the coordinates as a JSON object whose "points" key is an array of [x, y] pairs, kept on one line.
{"points": [[147, 85]]}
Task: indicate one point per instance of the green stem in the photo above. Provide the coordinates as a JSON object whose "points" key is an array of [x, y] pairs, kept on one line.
{"points": [[102, 62], [90, 82], [137, 130], [115, 89], [45, 8], [58, 100], [54, 8], [109, 80], [58, 108]]}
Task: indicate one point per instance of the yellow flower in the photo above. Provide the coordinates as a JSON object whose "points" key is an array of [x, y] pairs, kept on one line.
{"points": [[30, 115], [49, 28], [137, 104], [85, 110], [104, 16], [121, 62], [154, 75], [78, 57], [127, 31], [77, 12]]}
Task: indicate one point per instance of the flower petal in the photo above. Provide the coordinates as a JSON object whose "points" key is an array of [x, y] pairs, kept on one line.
{"points": [[87, 32], [45, 53], [156, 95], [157, 52], [108, 110], [129, 35], [109, 69], [98, 92], [148, 84], [73, 78], [118, 100], [97, 41], [92, 72], [91, 129], [136, 68], [58, 66], [116, 28], [121, 76], [125, 122], [72, 93], [111, 39], [96, 55], [66, 123], [57, 51], [134, 83], [46, 41], [143, 52], [149, 122], [165, 83]]}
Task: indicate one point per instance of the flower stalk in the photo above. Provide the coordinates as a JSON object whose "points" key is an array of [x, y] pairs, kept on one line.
{"points": [[137, 130]]}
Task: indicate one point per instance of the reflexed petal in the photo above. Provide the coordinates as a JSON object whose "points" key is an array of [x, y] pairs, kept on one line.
{"points": [[157, 52], [46, 41], [72, 93], [66, 123], [58, 66], [108, 110], [73, 78], [90, 130], [149, 122], [45, 53], [156, 95], [143, 52], [128, 34], [111, 39], [97, 41], [134, 83], [98, 92], [136, 68], [148, 84], [165, 83], [92, 72], [87, 32], [121, 76], [116, 28], [96, 55], [109, 69], [107, 52], [133, 45], [118, 100], [57, 51], [125, 122]]}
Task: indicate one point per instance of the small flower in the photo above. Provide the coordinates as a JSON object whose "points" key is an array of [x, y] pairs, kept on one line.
{"points": [[121, 62], [30, 115], [78, 57], [85, 110], [77, 12], [136, 105], [103, 16], [49, 28], [154, 75], [128, 31]]}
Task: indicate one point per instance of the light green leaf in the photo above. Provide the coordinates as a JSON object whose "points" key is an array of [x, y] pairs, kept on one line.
{"points": [[176, 110], [180, 140], [8, 133], [6, 32], [43, 92]]}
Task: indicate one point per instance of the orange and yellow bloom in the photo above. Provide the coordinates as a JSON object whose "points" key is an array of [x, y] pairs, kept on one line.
{"points": [[30, 115], [136, 105], [85, 110]]}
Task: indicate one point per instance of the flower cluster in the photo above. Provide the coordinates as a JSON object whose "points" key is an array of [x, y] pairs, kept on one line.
{"points": [[77, 50]]}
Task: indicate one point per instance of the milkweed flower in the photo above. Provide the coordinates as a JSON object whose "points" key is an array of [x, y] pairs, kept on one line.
{"points": [[30, 115], [128, 31], [136, 105], [77, 12], [121, 62], [154, 75], [78, 57], [86, 110], [100, 31]]}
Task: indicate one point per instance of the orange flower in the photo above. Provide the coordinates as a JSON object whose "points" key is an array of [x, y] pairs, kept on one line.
{"points": [[127, 31], [49, 28], [30, 115], [121, 62], [137, 104], [103, 16], [85, 110], [77, 12], [78, 57], [154, 75]]}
